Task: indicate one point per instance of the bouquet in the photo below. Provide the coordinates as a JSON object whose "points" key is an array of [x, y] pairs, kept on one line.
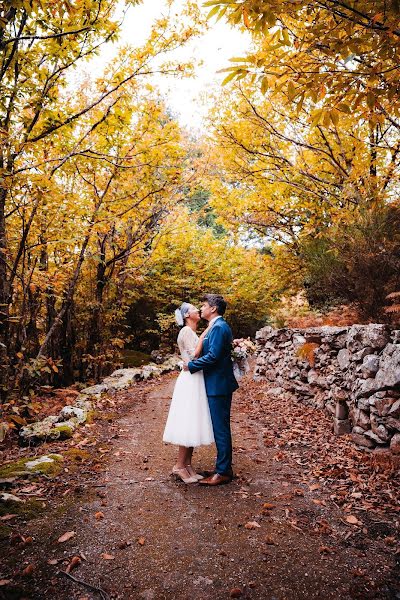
{"points": [[241, 350]]}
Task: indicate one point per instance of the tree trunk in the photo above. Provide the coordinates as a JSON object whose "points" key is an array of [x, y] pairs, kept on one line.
{"points": [[4, 301]]}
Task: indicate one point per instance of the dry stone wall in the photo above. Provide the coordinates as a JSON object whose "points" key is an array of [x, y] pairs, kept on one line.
{"points": [[353, 373]]}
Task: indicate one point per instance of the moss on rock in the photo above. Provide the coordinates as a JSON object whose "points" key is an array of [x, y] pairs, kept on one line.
{"points": [[77, 455], [64, 431], [49, 464]]}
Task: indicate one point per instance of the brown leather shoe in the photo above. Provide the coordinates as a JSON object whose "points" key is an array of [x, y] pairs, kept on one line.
{"points": [[216, 479]]}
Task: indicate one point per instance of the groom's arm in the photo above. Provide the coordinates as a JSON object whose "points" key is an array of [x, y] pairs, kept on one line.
{"points": [[215, 351]]}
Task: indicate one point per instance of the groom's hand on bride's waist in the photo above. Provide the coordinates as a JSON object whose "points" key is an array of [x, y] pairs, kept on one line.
{"points": [[185, 366]]}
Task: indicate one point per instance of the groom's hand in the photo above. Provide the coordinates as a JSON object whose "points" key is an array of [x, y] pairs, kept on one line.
{"points": [[185, 366]]}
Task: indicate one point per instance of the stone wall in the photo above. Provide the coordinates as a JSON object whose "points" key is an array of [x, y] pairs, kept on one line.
{"points": [[353, 373]]}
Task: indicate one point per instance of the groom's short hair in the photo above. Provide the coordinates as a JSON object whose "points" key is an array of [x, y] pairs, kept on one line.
{"points": [[216, 300]]}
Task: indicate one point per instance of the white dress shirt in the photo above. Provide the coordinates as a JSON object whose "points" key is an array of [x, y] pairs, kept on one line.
{"points": [[211, 323]]}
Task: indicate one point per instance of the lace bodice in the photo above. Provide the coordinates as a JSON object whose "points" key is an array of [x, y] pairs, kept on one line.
{"points": [[187, 342]]}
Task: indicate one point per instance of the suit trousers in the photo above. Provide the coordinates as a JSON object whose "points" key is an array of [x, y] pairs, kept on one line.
{"points": [[220, 409]]}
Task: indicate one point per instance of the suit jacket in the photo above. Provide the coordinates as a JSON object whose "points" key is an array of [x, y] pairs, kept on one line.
{"points": [[216, 362]]}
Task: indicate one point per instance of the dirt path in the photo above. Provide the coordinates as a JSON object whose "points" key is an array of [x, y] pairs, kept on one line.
{"points": [[157, 539]]}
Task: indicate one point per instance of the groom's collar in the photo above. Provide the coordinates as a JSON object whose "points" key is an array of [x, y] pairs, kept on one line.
{"points": [[211, 323]]}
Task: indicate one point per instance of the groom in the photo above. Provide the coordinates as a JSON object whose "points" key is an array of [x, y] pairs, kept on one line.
{"points": [[220, 382]]}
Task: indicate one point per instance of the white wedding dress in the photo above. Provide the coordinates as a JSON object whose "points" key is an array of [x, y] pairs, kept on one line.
{"points": [[189, 421]]}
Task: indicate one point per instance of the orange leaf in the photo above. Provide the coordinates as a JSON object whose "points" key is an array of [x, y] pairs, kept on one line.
{"points": [[352, 520], [252, 525], [66, 536]]}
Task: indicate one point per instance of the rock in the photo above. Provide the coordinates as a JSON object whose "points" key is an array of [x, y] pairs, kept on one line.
{"points": [[358, 430], [370, 365], [277, 391], [72, 411], [374, 437], [383, 405], [392, 423], [298, 340], [65, 429], [360, 440], [361, 418], [395, 444], [95, 390], [341, 426], [10, 498], [394, 411], [40, 431], [47, 464], [363, 403], [389, 373], [343, 358], [395, 336], [374, 335], [358, 356], [367, 387], [382, 433], [312, 376]]}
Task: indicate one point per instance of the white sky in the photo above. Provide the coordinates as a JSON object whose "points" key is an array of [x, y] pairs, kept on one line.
{"points": [[189, 98]]}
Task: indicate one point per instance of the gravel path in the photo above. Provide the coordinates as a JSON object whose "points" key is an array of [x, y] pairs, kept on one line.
{"points": [[266, 535]]}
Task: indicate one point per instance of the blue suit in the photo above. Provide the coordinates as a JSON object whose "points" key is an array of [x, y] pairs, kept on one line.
{"points": [[220, 382]]}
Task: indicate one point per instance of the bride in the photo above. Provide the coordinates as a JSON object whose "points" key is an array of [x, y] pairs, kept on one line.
{"points": [[189, 421]]}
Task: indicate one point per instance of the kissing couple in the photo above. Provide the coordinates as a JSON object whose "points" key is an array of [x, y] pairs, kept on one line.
{"points": [[200, 410]]}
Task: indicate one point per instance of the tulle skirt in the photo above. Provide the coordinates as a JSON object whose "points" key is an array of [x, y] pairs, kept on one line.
{"points": [[189, 421]]}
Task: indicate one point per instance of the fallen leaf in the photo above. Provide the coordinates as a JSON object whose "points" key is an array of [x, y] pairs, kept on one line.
{"points": [[28, 571], [99, 515], [141, 541], [326, 550], [5, 581], [268, 505], [75, 562], [252, 525], [52, 561], [66, 536], [352, 520], [235, 593], [107, 556], [314, 486], [8, 517]]}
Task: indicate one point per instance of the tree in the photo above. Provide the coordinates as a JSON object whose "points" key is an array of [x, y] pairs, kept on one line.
{"points": [[342, 57], [67, 159]]}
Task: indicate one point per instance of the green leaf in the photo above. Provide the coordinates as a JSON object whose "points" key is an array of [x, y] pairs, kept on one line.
{"points": [[213, 12], [229, 77]]}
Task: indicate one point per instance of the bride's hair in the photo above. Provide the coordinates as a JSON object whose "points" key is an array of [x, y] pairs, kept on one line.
{"points": [[181, 313]]}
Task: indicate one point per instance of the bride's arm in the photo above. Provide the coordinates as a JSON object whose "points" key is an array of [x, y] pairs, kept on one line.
{"points": [[199, 347]]}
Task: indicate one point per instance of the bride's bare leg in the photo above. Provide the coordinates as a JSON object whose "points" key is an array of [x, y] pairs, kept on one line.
{"points": [[189, 455], [189, 467], [182, 454]]}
